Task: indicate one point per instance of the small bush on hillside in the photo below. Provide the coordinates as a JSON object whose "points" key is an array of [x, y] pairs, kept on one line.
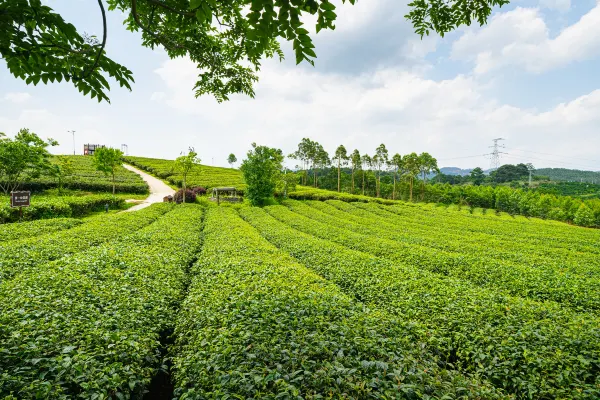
{"points": [[190, 196], [199, 190], [584, 216]]}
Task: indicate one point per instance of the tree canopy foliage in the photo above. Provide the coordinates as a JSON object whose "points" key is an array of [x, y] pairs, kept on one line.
{"points": [[227, 40], [262, 170], [22, 158], [184, 164], [107, 160]]}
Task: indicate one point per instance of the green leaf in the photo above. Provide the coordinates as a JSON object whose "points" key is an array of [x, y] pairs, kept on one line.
{"points": [[195, 4]]}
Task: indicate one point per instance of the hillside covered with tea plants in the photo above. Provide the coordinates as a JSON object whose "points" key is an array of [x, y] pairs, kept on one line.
{"points": [[304, 299]]}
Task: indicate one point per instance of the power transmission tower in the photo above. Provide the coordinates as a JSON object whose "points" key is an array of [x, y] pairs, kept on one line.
{"points": [[495, 154], [125, 149]]}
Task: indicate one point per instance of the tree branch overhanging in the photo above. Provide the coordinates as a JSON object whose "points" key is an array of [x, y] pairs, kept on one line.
{"points": [[90, 70]]}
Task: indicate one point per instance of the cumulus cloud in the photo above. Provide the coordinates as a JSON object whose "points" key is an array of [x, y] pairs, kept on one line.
{"points": [[559, 5], [403, 109], [521, 38], [17, 97]]}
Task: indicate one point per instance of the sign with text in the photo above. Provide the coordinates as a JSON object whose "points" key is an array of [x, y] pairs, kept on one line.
{"points": [[20, 199]]}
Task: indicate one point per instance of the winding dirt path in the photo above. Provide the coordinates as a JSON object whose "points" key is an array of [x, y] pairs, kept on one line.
{"points": [[158, 189]]}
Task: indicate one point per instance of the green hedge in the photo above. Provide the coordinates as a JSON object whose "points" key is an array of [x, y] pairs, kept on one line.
{"points": [[43, 207], [89, 326], [35, 228], [308, 193], [28, 254], [528, 349], [85, 177], [256, 324]]}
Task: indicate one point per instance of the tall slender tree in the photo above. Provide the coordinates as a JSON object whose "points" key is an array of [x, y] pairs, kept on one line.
{"points": [[379, 160], [427, 165], [321, 160], [304, 155], [356, 163], [412, 165], [366, 165], [341, 156], [397, 164]]}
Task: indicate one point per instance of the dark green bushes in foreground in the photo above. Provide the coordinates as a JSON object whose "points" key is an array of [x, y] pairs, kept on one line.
{"points": [[26, 255], [36, 228], [528, 349], [256, 324], [88, 326]]}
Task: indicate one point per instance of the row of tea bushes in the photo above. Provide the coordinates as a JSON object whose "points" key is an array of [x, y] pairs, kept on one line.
{"points": [[44, 207], [309, 193], [36, 228], [531, 280], [89, 326], [256, 324], [27, 254], [87, 178], [527, 348], [205, 176], [457, 232]]}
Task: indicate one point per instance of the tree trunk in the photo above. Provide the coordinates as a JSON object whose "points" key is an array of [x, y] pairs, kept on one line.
{"points": [[113, 176], [411, 187], [394, 192], [184, 188], [378, 184], [363, 185], [352, 180], [339, 173]]}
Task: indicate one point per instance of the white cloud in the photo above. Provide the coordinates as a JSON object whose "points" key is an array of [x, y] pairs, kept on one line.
{"points": [[17, 97], [521, 38], [559, 5], [157, 96], [400, 108]]}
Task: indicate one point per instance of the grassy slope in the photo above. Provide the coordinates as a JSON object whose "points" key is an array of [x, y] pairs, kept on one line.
{"points": [[87, 178], [205, 175]]}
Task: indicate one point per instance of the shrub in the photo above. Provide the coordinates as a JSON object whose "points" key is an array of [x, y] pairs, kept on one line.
{"points": [[584, 216], [190, 196], [199, 190]]}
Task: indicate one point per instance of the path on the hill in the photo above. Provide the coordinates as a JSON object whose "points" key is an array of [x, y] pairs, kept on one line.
{"points": [[158, 189]]}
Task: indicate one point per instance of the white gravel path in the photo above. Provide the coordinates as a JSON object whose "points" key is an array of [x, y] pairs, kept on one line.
{"points": [[158, 189]]}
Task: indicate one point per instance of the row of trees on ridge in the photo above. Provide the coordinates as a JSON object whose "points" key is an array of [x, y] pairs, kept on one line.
{"points": [[314, 158]]}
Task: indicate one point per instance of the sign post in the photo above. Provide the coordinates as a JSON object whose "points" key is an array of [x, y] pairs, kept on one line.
{"points": [[20, 199]]}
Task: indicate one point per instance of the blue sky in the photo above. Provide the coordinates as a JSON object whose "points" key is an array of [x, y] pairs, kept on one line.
{"points": [[530, 76]]}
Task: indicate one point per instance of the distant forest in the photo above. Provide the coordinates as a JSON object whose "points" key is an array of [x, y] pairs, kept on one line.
{"points": [[569, 175]]}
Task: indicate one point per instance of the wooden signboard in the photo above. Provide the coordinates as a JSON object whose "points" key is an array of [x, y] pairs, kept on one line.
{"points": [[20, 199]]}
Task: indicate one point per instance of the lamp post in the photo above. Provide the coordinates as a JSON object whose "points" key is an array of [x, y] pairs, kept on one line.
{"points": [[73, 133]]}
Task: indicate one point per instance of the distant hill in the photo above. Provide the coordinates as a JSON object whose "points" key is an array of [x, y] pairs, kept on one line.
{"points": [[455, 171], [569, 175]]}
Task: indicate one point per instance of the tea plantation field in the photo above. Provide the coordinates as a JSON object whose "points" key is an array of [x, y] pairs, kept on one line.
{"points": [[301, 300], [204, 175], [85, 177]]}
